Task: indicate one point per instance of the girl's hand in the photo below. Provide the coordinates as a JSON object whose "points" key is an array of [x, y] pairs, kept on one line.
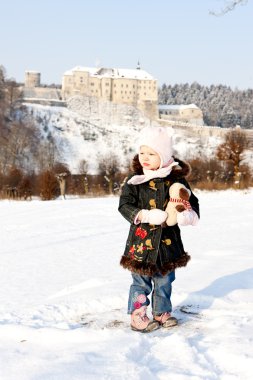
{"points": [[187, 218], [154, 216]]}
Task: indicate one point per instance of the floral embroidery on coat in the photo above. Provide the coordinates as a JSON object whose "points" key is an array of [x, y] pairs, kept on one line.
{"points": [[141, 232]]}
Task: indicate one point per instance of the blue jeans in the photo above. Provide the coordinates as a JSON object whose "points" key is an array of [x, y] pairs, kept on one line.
{"points": [[159, 285]]}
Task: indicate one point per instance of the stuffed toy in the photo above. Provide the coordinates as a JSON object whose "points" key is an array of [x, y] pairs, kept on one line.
{"points": [[179, 201]]}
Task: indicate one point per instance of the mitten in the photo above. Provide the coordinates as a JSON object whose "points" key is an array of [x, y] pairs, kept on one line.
{"points": [[154, 216], [187, 217]]}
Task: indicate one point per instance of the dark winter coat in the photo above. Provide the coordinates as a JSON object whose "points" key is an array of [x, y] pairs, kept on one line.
{"points": [[151, 248]]}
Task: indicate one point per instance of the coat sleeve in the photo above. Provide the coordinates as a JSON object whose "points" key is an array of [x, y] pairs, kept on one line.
{"points": [[193, 199], [128, 202]]}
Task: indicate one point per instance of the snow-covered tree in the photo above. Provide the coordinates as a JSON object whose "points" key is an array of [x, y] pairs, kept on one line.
{"points": [[220, 104]]}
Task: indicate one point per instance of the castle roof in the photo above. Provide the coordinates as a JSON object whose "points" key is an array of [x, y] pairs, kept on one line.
{"points": [[112, 73], [91, 70]]}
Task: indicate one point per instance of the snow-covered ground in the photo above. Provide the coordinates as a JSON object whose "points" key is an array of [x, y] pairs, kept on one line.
{"points": [[63, 295]]}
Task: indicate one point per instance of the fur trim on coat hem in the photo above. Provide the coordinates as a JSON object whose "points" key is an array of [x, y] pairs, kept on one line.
{"points": [[148, 269]]}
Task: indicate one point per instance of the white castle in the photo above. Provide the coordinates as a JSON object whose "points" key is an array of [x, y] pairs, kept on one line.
{"points": [[121, 86], [134, 87]]}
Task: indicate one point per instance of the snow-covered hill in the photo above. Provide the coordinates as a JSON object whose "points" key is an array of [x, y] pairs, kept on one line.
{"points": [[84, 135], [91, 130]]}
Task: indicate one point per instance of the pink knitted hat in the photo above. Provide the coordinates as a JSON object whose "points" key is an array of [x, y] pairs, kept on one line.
{"points": [[160, 140]]}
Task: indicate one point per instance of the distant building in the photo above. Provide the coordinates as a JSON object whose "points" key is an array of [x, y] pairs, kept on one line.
{"points": [[34, 92], [121, 86], [32, 79], [189, 113]]}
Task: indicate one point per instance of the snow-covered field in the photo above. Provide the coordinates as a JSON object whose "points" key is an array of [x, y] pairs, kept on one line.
{"points": [[63, 295]]}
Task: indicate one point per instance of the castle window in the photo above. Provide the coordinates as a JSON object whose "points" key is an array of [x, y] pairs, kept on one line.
{"points": [[92, 83], [133, 85], [107, 84], [122, 85], [126, 85]]}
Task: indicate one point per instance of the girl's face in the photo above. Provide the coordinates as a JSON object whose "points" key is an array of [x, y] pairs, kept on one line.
{"points": [[148, 158]]}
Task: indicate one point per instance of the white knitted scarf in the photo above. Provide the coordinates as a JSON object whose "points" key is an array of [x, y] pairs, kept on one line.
{"points": [[151, 174]]}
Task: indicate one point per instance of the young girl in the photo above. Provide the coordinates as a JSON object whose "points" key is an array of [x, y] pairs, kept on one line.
{"points": [[153, 249]]}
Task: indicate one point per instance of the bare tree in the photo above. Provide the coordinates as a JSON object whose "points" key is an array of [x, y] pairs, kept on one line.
{"points": [[62, 172], [17, 140], [2, 93], [109, 167], [83, 170], [48, 155], [13, 94], [62, 178], [18, 146], [83, 167], [48, 185], [231, 151], [10, 94], [230, 6]]}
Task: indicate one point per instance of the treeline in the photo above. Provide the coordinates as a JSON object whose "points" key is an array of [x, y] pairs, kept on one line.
{"points": [[57, 181], [221, 106]]}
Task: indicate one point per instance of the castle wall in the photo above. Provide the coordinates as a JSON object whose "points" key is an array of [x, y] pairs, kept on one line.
{"points": [[203, 132], [41, 93], [184, 113], [108, 85]]}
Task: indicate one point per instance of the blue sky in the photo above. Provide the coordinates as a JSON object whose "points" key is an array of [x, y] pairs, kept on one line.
{"points": [[176, 41]]}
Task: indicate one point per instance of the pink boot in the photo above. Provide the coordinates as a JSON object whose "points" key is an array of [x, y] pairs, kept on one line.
{"points": [[140, 321], [166, 320]]}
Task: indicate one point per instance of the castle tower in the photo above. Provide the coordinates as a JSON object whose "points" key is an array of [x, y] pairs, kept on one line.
{"points": [[32, 79]]}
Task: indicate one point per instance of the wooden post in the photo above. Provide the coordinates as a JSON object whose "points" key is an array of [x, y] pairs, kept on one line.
{"points": [[61, 177]]}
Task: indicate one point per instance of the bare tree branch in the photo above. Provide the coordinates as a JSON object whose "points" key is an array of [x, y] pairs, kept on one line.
{"points": [[229, 7]]}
